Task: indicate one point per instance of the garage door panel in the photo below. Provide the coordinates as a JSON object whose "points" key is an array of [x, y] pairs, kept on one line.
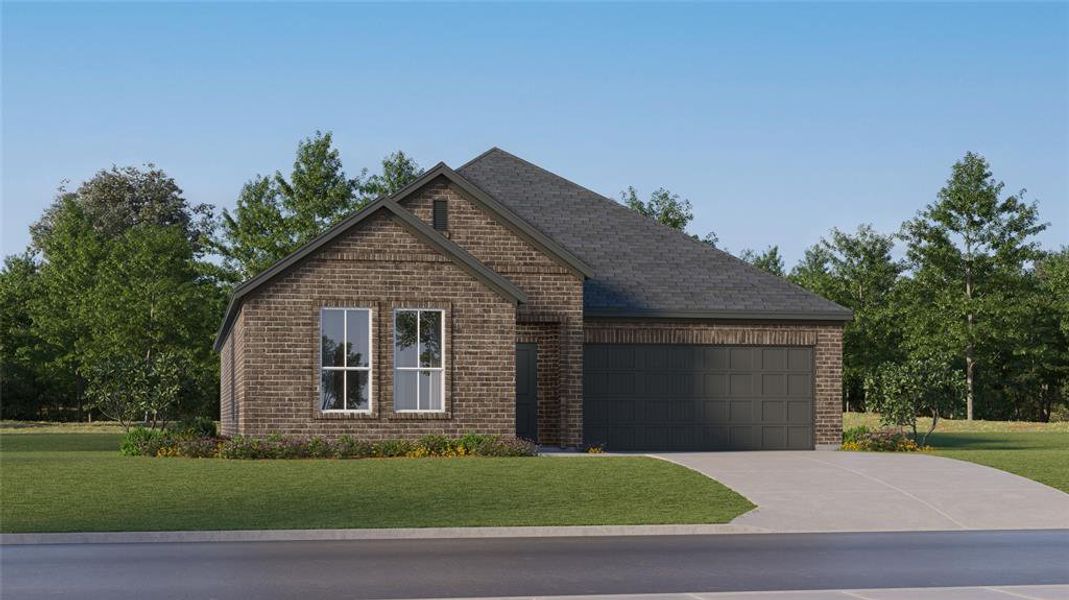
{"points": [[659, 397]]}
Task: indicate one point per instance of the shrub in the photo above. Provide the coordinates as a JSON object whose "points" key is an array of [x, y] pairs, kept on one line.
{"points": [[141, 441], [197, 427], [861, 439], [146, 442]]}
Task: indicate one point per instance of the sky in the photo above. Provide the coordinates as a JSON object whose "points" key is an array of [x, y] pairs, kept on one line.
{"points": [[777, 121]]}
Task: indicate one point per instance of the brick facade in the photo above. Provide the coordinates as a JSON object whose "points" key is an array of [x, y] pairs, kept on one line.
{"points": [[382, 266], [269, 375], [825, 339], [552, 317]]}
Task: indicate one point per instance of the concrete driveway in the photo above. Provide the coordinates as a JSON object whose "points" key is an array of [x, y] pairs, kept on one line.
{"points": [[857, 491]]}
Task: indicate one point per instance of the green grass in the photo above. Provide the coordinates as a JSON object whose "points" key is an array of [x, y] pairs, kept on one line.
{"points": [[79, 482], [1042, 457], [1038, 451]]}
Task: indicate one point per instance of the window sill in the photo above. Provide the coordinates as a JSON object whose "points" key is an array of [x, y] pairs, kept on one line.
{"points": [[345, 415], [420, 416]]}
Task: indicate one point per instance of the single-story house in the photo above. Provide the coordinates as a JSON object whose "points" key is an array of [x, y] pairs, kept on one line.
{"points": [[501, 298]]}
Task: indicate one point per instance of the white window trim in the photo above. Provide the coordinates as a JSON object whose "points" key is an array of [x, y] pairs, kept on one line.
{"points": [[345, 380], [441, 369]]}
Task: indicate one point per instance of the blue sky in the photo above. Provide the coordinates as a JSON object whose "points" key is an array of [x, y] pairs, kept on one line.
{"points": [[778, 121]]}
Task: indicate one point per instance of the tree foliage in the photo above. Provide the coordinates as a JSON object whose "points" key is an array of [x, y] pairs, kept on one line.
{"points": [[967, 253], [276, 215], [769, 261], [902, 392], [856, 270], [663, 206]]}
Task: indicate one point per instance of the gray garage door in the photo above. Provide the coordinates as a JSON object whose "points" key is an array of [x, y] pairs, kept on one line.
{"points": [[661, 397]]}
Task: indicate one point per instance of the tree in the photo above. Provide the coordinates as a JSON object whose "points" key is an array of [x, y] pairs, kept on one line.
{"points": [[274, 215], [398, 170], [966, 252], [121, 280], [856, 270], [918, 387], [123, 197], [663, 206], [129, 389], [769, 261]]}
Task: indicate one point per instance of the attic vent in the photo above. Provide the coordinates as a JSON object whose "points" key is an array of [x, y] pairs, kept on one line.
{"points": [[440, 218]]}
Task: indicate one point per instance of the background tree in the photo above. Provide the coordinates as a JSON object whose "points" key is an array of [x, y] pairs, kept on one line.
{"points": [[856, 270], [123, 236], [769, 261], [276, 215], [663, 206], [966, 253]]}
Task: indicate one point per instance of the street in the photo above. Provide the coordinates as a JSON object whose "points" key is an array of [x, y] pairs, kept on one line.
{"points": [[529, 566]]}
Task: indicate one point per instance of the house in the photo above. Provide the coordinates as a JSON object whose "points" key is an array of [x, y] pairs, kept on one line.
{"points": [[501, 298]]}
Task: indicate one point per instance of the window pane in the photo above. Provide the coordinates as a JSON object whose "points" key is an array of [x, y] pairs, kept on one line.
{"points": [[430, 390], [332, 330], [404, 339], [331, 390], [357, 390], [359, 338], [404, 390], [430, 338]]}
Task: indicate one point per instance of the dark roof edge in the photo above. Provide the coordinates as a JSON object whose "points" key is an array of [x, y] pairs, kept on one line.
{"points": [[518, 224], [493, 280], [733, 315]]}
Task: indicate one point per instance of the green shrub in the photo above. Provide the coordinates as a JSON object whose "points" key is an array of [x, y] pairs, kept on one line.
{"points": [[145, 442], [196, 427], [141, 441], [391, 448], [883, 440]]}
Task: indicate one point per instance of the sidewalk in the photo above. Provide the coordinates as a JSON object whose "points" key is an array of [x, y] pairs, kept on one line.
{"points": [[1019, 592]]}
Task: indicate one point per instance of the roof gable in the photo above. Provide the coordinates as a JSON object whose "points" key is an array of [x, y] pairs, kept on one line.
{"points": [[421, 230], [641, 268]]}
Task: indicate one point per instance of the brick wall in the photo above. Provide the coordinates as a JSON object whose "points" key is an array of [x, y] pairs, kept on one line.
{"points": [[552, 317], [378, 265], [825, 339]]}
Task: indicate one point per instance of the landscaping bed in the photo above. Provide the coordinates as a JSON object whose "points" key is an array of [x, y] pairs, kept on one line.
{"points": [[80, 482]]}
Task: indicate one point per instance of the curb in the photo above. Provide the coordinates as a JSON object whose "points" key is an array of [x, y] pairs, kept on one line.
{"points": [[308, 535]]}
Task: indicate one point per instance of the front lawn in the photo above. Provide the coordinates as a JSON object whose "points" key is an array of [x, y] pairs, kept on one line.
{"points": [[79, 482], [1038, 451]]}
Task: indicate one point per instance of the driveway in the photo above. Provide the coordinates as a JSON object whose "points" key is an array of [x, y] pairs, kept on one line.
{"points": [[858, 491]]}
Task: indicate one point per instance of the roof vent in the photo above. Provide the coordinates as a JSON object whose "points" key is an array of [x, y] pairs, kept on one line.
{"points": [[440, 216]]}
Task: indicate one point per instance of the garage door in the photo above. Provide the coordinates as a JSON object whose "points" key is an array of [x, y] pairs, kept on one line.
{"points": [[662, 397]]}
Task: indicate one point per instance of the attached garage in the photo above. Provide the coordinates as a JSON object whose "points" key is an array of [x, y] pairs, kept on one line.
{"points": [[698, 397]]}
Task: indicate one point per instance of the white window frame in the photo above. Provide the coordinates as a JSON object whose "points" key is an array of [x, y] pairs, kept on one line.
{"points": [[369, 369], [417, 368]]}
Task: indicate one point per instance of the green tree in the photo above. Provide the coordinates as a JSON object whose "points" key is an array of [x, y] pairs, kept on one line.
{"points": [[276, 215], [769, 261], [915, 388], [856, 270], [663, 206], [966, 253], [398, 170]]}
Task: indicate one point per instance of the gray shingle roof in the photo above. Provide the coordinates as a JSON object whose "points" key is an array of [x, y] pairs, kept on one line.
{"points": [[641, 268]]}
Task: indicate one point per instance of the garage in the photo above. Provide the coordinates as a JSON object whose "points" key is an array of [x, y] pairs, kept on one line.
{"points": [[698, 397]]}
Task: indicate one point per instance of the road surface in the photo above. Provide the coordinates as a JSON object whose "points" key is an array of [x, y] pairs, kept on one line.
{"points": [[533, 566]]}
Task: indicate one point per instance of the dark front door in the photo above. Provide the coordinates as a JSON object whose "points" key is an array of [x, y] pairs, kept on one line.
{"points": [[664, 397], [527, 391]]}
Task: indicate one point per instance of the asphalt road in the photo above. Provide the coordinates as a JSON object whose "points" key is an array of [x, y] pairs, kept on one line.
{"points": [[532, 566]]}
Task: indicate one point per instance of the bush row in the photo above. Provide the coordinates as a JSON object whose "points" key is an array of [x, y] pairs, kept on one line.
{"points": [[165, 443], [864, 439]]}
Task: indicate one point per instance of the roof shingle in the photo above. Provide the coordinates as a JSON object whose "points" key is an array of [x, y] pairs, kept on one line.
{"points": [[641, 268]]}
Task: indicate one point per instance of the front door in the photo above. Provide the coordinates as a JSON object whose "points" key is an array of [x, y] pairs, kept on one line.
{"points": [[527, 391]]}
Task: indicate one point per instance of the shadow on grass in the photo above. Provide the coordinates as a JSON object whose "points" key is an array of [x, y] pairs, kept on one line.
{"points": [[999, 441], [67, 442]]}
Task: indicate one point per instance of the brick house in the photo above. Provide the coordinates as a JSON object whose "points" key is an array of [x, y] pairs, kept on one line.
{"points": [[502, 298]]}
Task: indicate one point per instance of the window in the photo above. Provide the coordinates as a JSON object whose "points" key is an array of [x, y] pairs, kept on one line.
{"points": [[345, 376], [418, 381], [440, 215]]}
